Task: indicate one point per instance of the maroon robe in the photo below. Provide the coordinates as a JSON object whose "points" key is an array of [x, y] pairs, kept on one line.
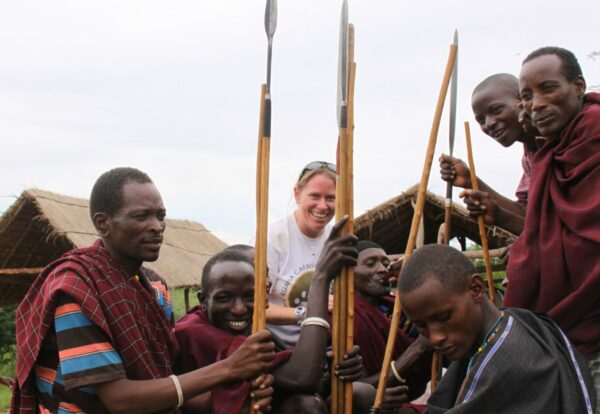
{"points": [[554, 266], [202, 344], [122, 308], [371, 331]]}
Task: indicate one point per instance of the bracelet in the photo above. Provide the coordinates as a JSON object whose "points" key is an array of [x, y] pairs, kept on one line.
{"points": [[178, 388], [315, 320], [395, 372]]}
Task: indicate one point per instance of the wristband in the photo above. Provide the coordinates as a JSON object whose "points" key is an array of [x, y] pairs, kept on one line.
{"points": [[395, 372], [178, 388], [314, 320]]}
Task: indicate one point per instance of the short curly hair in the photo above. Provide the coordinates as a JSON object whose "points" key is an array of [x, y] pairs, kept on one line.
{"points": [[227, 255], [569, 65], [107, 193], [443, 263]]}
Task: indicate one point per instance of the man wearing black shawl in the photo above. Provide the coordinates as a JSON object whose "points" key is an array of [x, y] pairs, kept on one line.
{"points": [[509, 361]]}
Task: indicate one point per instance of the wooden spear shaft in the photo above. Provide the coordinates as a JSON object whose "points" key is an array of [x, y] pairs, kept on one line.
{"points": [[482, 233], [350, 212], [389, 349]]}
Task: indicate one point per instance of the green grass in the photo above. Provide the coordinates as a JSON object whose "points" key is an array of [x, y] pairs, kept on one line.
{"points": [[8, 371]]}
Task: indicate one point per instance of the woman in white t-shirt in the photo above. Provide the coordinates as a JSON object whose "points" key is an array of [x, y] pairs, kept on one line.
{"points": [[294, 245]]}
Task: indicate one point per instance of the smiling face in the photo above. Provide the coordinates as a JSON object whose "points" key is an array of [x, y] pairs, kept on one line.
{"points": [[316, 204], [229, 297], [548, 97], [370, 273], [453, 322], [134, 234], [495, 107]]}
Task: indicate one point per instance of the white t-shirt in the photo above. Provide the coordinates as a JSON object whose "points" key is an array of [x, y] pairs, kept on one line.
{"points": [[291, 257]]}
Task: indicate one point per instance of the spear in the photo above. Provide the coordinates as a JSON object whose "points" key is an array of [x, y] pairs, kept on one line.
{"points": [[452, 128], [262, 181], [343, 314], [410, 246], [436, 363], [482, 233]]}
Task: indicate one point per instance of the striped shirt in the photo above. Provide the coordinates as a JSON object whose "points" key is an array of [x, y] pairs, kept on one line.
{"points": [[75, 355]]}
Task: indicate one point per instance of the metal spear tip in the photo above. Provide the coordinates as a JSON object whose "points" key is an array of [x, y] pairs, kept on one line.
{"points": [[455, 41], [342, 92], [271, 18]]}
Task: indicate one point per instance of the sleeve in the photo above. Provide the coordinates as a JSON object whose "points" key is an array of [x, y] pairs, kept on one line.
{"points": [[86, 356]]}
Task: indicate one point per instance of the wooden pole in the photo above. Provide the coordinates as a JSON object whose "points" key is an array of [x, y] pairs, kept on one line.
{"points": [[343, 312], [389, 349], [482, 233], [262, 200]]}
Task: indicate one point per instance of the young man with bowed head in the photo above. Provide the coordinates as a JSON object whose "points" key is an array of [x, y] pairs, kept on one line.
{"points": [[503, 361], [372, 307], [554, 266], [94, 332], [214, 329], [496, 106]]}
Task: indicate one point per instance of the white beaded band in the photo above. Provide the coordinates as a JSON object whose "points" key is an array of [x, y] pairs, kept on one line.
{"points": [[315, 320], [395, 372], [178, 388]]}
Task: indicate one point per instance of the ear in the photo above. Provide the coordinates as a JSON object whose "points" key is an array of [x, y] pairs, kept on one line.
{"points": [[580, 85], [477, 288], [102, 224], [297, 194]]}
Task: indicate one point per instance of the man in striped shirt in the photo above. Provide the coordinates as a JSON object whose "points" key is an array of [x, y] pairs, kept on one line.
{"points": [[95, 331]]}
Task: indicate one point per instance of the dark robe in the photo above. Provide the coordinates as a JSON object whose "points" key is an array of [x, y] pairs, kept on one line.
{"points": [[554, 266], [122, 308], [202, 344], [529, 366], [371, 331]]}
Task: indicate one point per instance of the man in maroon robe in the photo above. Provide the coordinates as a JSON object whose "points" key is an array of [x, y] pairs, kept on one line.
{"points": [[213, 330], [93, 332], [372, 305], [554, 267]]}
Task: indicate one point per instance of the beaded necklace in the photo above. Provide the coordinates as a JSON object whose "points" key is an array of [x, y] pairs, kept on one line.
{"points": [[488, 337]]}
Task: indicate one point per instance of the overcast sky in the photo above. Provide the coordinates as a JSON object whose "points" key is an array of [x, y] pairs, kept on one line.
{"points": [[173, 88]]}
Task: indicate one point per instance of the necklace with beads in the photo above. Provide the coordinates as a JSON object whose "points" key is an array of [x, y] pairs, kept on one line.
{"points": [[491, 334]]}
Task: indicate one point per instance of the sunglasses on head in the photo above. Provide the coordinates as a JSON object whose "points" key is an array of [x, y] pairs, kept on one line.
{"points": [[315, 165]]}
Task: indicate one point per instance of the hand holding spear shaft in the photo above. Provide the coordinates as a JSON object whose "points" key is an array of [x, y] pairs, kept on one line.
{"points": [[482, 233], [414, 227], [262, 182]]}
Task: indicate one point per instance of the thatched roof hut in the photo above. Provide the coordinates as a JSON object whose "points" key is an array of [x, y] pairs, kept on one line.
{"points": [[40, 226], [389, 223]]}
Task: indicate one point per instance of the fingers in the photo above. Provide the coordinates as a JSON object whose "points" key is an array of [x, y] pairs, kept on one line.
{"points": [[262, 404], [336, 230], [394, 397], [351, 368]]}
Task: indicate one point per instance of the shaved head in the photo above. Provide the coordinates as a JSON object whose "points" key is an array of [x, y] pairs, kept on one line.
{"points": [[500, 81]]}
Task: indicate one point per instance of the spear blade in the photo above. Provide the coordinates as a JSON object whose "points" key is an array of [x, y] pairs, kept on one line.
{"points": [[270, 26], [271, 18], [342, 92], [453, 96]]}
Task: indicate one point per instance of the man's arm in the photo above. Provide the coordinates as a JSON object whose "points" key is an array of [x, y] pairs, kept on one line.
{"points": [[303, 371], [143, 396]]}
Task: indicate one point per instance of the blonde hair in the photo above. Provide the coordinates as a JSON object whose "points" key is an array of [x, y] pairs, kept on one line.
{"points": [[307, 176]]}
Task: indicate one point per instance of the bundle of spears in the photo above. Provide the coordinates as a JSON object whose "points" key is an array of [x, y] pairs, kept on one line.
{"points": [[343, 287]]}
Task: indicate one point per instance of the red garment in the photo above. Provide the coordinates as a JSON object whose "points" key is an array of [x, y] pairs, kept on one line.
{"points": [[203, 344], [371, 331], [554, 266], [125, 311]]}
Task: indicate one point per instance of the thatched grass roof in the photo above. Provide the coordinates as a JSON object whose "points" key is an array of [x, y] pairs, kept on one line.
{"points": [[40, 226], [389, 223]]}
